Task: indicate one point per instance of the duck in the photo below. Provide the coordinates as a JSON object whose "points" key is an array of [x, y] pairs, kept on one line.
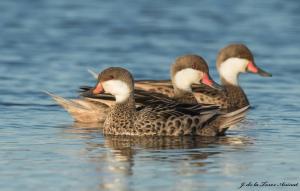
{"points": [[186, 73], [157, 118], [232, 60]]}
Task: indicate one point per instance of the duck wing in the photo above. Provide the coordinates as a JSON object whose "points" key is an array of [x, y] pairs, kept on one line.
{"points": [[158, 86], [208, 95], [155, 82], [162, 102], [206, 90]]}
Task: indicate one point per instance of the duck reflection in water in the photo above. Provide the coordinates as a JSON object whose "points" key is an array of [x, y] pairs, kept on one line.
{"points": [[117, 158]]}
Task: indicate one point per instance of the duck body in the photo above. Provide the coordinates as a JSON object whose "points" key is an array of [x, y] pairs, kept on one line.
{"points": [[150, 120], [231, 61], [229, 99], [188, 73], [162, 120], [163, 117]]}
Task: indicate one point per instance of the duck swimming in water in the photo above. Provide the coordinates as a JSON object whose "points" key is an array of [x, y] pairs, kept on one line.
{"points": [[232, 60], [89, 110], [173, 119], [186, 71]]}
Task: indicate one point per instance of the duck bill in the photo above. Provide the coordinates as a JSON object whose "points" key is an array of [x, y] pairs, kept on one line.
{"points": [[92, 92], [209, 82], [98, 89], [251, 67]]}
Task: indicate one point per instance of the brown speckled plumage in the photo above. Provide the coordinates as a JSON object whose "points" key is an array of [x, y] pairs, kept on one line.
{"points": [[231, 98], [169, 88], [165, 88], [163, 117]]}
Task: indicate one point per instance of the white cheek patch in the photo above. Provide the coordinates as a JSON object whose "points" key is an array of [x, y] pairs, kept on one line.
{"points": [[117, 88], [186, 77], [231, 68]]}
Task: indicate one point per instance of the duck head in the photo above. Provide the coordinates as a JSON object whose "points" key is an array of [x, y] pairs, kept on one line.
{"points": [[191, 69], [116, 81], [235, 59]]}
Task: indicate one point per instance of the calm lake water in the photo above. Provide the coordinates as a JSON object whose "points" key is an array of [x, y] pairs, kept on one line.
{"points": [[49, 45]]}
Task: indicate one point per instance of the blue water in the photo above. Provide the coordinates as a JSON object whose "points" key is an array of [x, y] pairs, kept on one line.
{"points": [[49, 45]]}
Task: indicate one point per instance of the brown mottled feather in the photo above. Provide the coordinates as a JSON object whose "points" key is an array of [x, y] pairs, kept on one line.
{"points": [[230, 99], [165, 88], [166, 120], [163, 116]]}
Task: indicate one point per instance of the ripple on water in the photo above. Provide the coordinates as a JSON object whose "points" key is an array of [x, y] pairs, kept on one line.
{"points": [[49, 45]]}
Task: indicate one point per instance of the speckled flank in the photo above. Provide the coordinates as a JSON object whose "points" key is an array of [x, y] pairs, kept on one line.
{"points": [[168, 119], [150, 121], [153, 121]]}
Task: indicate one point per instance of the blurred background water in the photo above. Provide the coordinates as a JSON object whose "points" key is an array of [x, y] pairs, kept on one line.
{"points": [[49, 45]]}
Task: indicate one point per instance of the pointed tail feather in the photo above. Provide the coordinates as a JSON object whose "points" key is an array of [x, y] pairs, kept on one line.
{"points": [[109, 103], [221, 122], [233, 113], [65, 103], [93, 73], [232, 118], [82, 110]]}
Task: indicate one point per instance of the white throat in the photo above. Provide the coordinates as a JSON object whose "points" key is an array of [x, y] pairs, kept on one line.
{"points": [[117, 88], [185, 78], [231, 68]]}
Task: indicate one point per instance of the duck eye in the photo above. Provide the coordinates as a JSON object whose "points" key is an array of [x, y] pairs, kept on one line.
{"points": [[111, 77], [194, 65]]}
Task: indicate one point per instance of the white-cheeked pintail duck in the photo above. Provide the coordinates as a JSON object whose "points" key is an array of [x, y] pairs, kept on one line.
{"points": [[231, 61], [157, 118], [89, 110]]}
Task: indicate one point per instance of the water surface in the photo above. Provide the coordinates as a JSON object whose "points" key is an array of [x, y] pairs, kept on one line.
{"points": [[49, 45]]}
